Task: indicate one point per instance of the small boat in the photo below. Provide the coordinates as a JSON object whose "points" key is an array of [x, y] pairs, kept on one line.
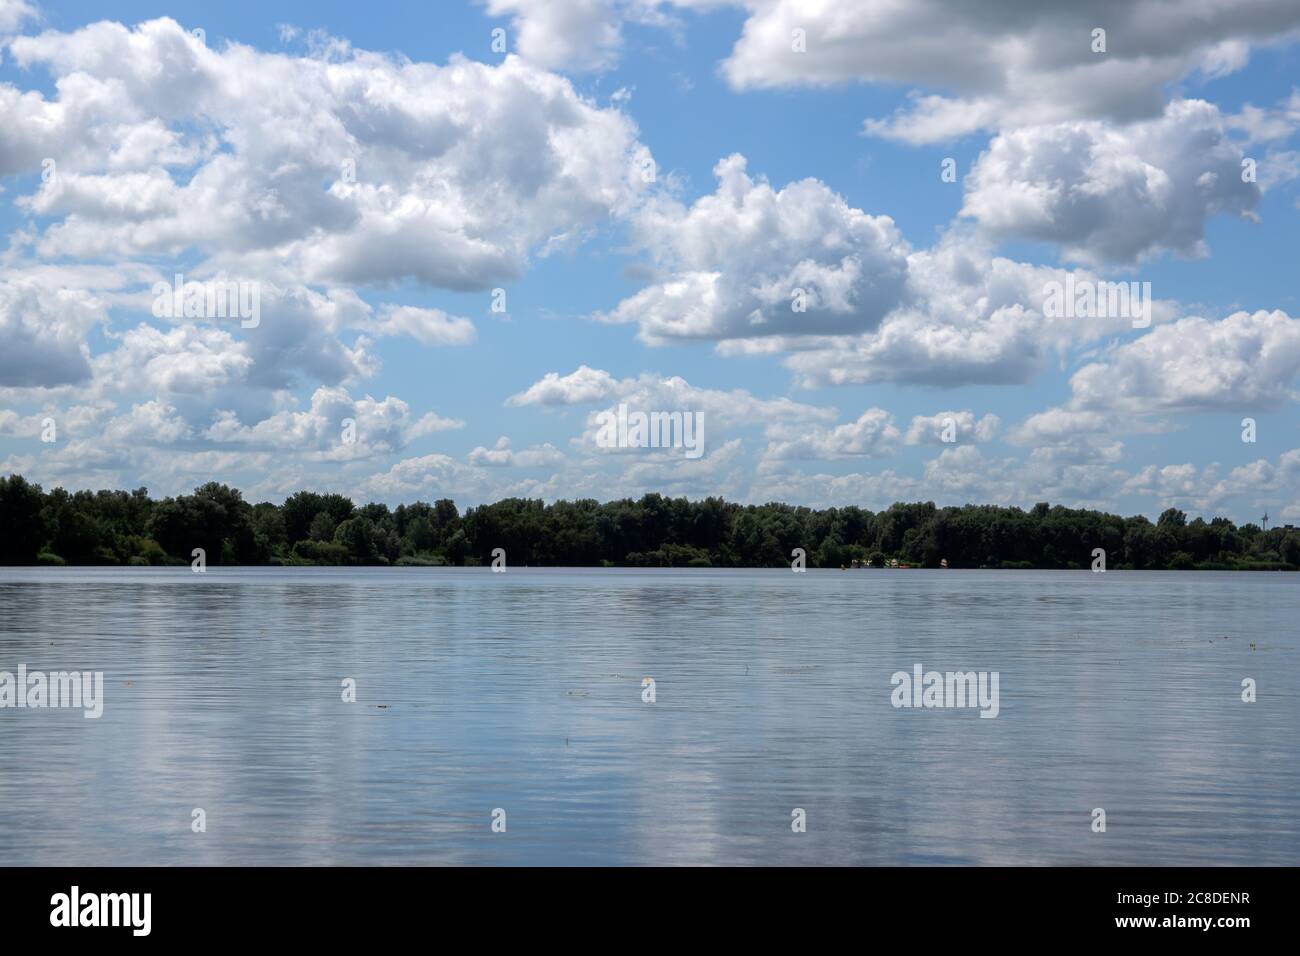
{"points": [[943, 563]]}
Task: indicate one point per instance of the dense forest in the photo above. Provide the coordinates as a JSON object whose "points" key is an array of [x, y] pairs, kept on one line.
{"points": [[119, 527]]}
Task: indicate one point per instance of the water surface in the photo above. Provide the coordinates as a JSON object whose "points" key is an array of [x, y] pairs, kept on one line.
{"points": [[523, 691]]}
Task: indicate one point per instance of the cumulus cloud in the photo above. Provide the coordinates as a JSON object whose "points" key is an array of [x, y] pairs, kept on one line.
{"points": [[1112, 193], [186, 359], [309, 175], [721, 414], [428, 476], [1172, 484], [452, 175], [957, 475], [13, 13], [298, 337], [501, 455], [563, 34], [874, 490], [736, 407], [336, 427], [1267, 124], [971, 319], [148, 423], [964, 474], [1070, 437], [579, 35], [970, 67], [1243, 362], [1261, 482], [427, 326], [71, 422], [197, 365], [732, 408], [872, 435], [1003, 64], [1055, 425], [749, 261], [580, 387], [172, 442], [962, 425], [44, 331]]}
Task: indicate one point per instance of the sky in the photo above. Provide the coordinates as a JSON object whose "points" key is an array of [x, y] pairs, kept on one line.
{"points": [[464, 233]]}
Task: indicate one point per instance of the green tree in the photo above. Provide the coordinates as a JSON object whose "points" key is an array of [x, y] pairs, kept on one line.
{"points": [[362, 539], [322, 527], [187, 522], [120, 527], [25, 530]]}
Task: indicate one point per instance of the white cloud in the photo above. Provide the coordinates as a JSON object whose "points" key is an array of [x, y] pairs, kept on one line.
{"points": [[1174, 485], [1112, 194], [72, 422], [1277, 167], [971, 318], [648, 392], [44, 331], [733, 260], [720, 412], [1069, 437], [13, 13], [502, 455], [723, 470], [1264, 125], [1056, 425], [580, 387], [563, 34], [1247, 361], [149, 423], [931, 429], [428, 476], [451, 175], [872, 435], [427, 326], [1261, 482], [186, 359], [1006, 63], [337, 427], [577, 35]]}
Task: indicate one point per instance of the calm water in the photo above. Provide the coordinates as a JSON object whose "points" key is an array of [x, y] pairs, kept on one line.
{"points": [[523, 691]]}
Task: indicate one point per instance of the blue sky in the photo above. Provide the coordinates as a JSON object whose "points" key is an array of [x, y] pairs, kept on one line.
{"points": [[773, 169]]}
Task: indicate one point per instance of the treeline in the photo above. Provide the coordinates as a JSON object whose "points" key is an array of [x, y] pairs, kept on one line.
{"points": [[119, 527]]}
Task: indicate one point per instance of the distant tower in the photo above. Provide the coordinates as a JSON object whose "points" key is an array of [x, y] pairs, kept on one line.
{"points": [[1265, 520]]}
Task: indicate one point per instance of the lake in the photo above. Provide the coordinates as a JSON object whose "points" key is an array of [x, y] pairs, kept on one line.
{"points": [[772, 692]]}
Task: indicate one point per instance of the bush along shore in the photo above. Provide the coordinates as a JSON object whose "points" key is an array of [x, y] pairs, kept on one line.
{"points": [[130, 528]]}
